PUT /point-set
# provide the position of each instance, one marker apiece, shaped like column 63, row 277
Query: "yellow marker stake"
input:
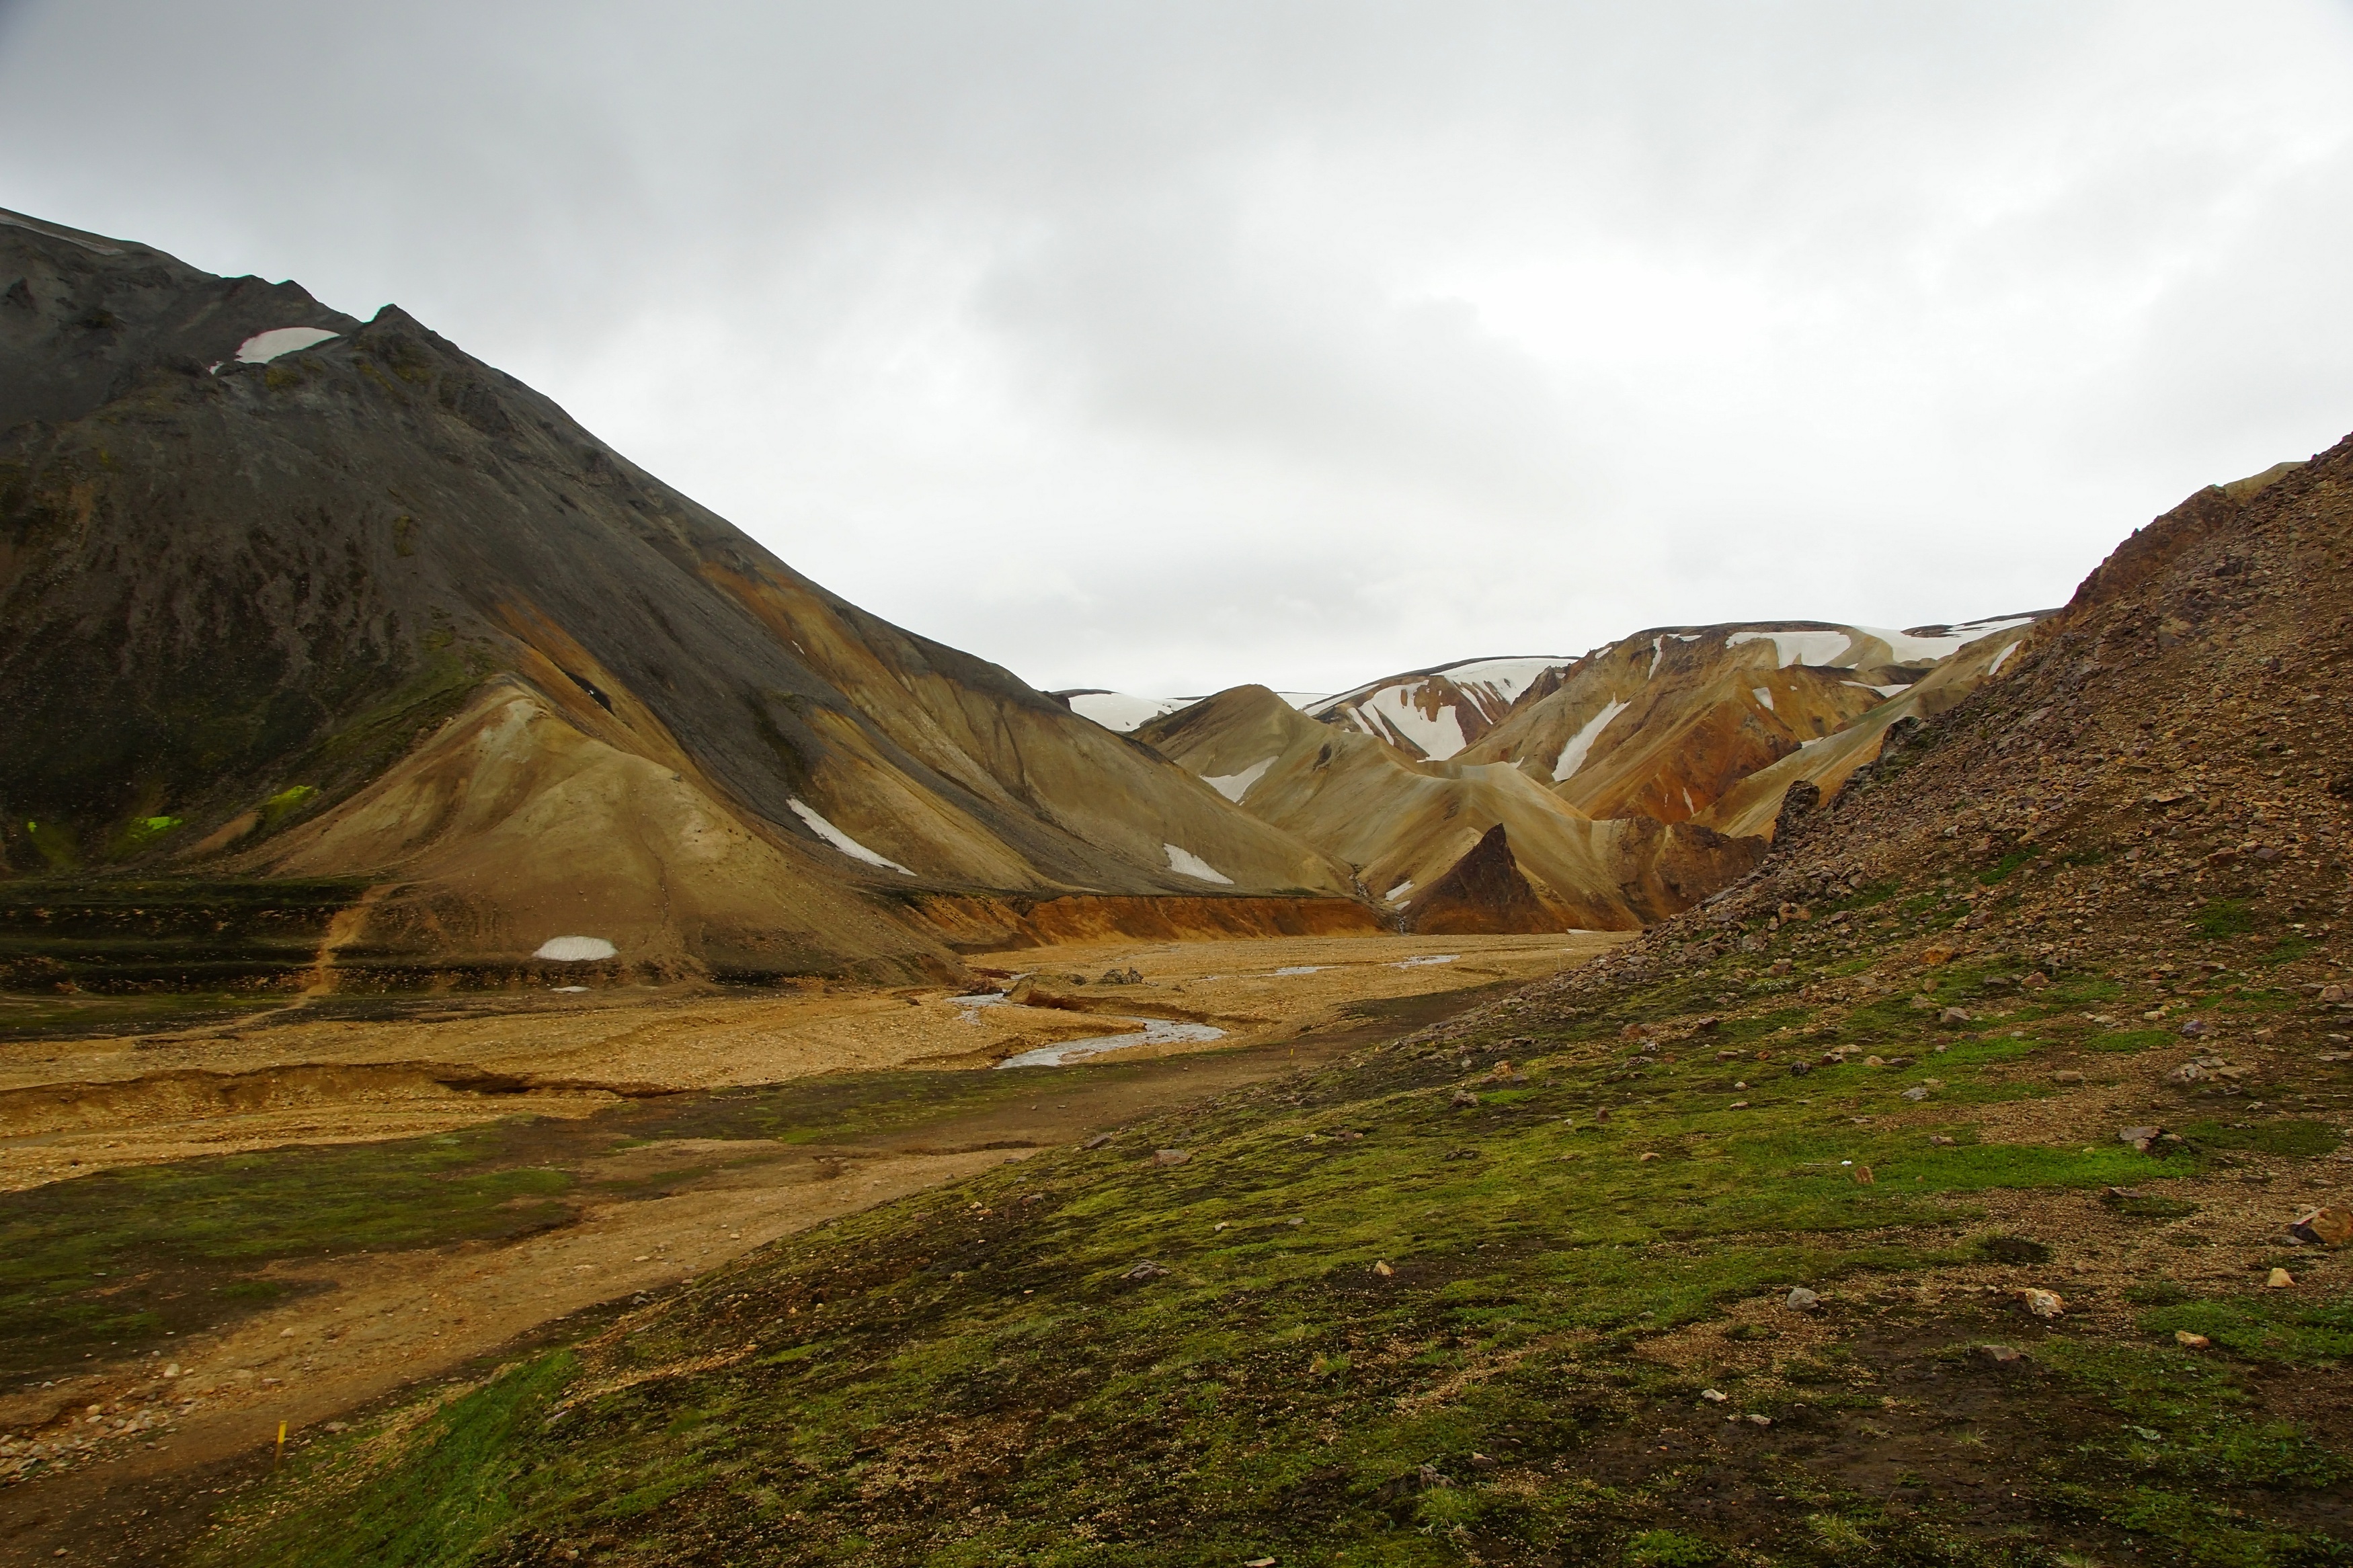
column 281, row 1444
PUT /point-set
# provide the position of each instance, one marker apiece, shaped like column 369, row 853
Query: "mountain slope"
column 251, row 614
column 1435, row 713
column 1937, row 1196
column 1403, row 826
column 1665, row 722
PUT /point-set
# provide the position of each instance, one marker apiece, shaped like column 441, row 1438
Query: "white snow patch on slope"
column 843, row 841
column 1882, row 690
column 2003, row 658
column 1185, row 863
column 1398, row 893
column 1439, row 738
column 1233, row 787
column 1766, row 697
column 1911, row 649
column 1505, row 678
column 1123, row 712
column 1798, row 647
column 1573, row 756
column 263, row 347
column 575, row 950
column 1658, row 652
column 1420, row 963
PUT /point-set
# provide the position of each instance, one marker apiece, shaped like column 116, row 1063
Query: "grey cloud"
column 1170, row 346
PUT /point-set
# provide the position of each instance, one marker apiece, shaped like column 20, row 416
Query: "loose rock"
column 2045, row 1303
column 1171, row 1156
column 1801, row 1300
column 2189, row 1340
column 2324, row 1226
column 2278, row 1279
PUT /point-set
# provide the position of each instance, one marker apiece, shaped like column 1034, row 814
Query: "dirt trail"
column 363, row 1327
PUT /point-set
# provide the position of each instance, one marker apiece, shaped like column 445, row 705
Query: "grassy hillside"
column 1367, row 1321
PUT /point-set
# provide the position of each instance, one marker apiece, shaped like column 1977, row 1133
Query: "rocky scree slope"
column 368, row 608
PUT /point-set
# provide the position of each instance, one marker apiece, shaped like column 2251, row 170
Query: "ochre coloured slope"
column 1662, row 724
column 1401, row 824
column 234, row 596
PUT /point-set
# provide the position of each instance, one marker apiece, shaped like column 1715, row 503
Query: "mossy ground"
column 1364, row 1323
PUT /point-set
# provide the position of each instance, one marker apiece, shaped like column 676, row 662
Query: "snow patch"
column 1572, row 756
column 1763, row 696
column 1117, row 711
column 843, row 841
column 1233, row 787
column 575, row 950
column 2002, row 658
column 1302, row 969
column 263, row 347
column 1658, row 652
column 1799, row 647
column 1156, row 1032
column 1185, row 863
column 1433, row 958
column 1882, row 690
column 1911, row 649
column 1398, row 893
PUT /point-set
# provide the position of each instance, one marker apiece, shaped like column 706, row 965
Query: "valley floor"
column 281, row 1214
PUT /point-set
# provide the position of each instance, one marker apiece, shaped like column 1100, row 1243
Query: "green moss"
column 2290, row 1136
column 2221, row 917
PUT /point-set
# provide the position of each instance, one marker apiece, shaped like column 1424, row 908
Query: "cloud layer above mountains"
column 1169, row 347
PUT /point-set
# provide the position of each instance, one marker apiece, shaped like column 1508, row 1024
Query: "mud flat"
column 331, row 1208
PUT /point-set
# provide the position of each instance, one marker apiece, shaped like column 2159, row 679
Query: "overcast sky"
column 1166, row 347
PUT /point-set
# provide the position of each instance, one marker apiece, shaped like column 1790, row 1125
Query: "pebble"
column 1383, row 1268
column 2278, row 1279
column 1917, row 1092
column 1801, row 1300
column 1714, row 1395
column 1171, row 1156
column 2067, row 1075
column 2045, row 1303
column 2189, row 1340
column 2002, row 1355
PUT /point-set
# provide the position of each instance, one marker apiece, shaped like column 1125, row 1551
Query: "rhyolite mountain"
column 344, row 602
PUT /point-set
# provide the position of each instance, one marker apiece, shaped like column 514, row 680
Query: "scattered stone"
column 1939, row 1139
column 1257, row 1563
column 2044, row 1304
column 2067, row 1075
column 1737, row 1105
column 2193, row 1027
column 1898, row 1062
column 2141, row 1138
column 2332, row 994
column 1917, row 1092
column 1146, row 1269
column 1863, row 1177
column 2324, row 1226
column 1645, row 1157
column 1873, row 1062
column 1759, row 1420
column 1602, row 1116
column 1952, row 1017
column 2035, row 981
column 1801, row 1300
column 1463, row 1098
column 2189, row 1340
column 2278, row 1279
column 2002, row 1355
column 1383, row 1268
column 1714, row 1395
column 1799, row 1069
column 1097, row 1141
column 1171, row 1156
column 2188, row 1072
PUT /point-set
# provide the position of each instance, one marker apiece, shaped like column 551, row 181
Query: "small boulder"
column 1383, row 1269
column 2193, row 1027
column 1917, row 1092
column 1714, row 1395
column 1801, row 1300
column 2278, row 1279
column 2332, row 994
column 1863, row 1177
column 1097, row 1141
column 2035, row 981
column 1952, row 1017
column 2067, row 1075
column 2002, row 1355
column 1171, row 1156
column 1463, row 1099
column 1146, row 1269
column 2141, row 1138
column 2189, row 1340
column 2044, row 1304
column 2326, row 1227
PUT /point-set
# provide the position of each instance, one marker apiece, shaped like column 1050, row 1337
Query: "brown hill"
column 2157, row 790
column 1403, row 824
column 1664, row 724
column 348, row 601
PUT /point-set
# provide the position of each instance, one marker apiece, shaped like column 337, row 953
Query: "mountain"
column 1405, row 826
column 1999, row 1107
column 1122, row 712
column 288, row 594
column 1664, row 724
column 1437, row 713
